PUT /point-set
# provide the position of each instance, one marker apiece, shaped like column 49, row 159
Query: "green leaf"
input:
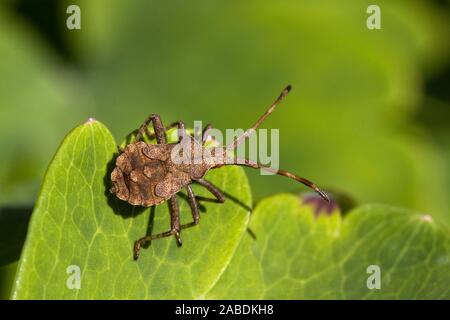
column 75, row 222
column 293, row 255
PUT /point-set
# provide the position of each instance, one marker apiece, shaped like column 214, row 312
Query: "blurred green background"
column 368, row 115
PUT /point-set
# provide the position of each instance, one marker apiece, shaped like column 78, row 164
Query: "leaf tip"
column 90, row 121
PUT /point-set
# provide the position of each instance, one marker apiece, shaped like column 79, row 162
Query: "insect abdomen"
column 136, row 176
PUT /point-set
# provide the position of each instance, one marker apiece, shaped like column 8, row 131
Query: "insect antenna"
column 254, row 165
column 237, row 141
column 248, row 163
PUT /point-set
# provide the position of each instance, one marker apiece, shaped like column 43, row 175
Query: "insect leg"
column 193, row 204
column 181, row 130
column 174, row 228
column 175, row 218
column 205, row 133
column 179, row 124
column 212, row 188
column 158, row 127
column 139, row 243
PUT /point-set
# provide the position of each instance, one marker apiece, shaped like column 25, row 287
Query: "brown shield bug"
column 147, row 174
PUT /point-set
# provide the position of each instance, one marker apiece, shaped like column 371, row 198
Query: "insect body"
column 149, row 174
